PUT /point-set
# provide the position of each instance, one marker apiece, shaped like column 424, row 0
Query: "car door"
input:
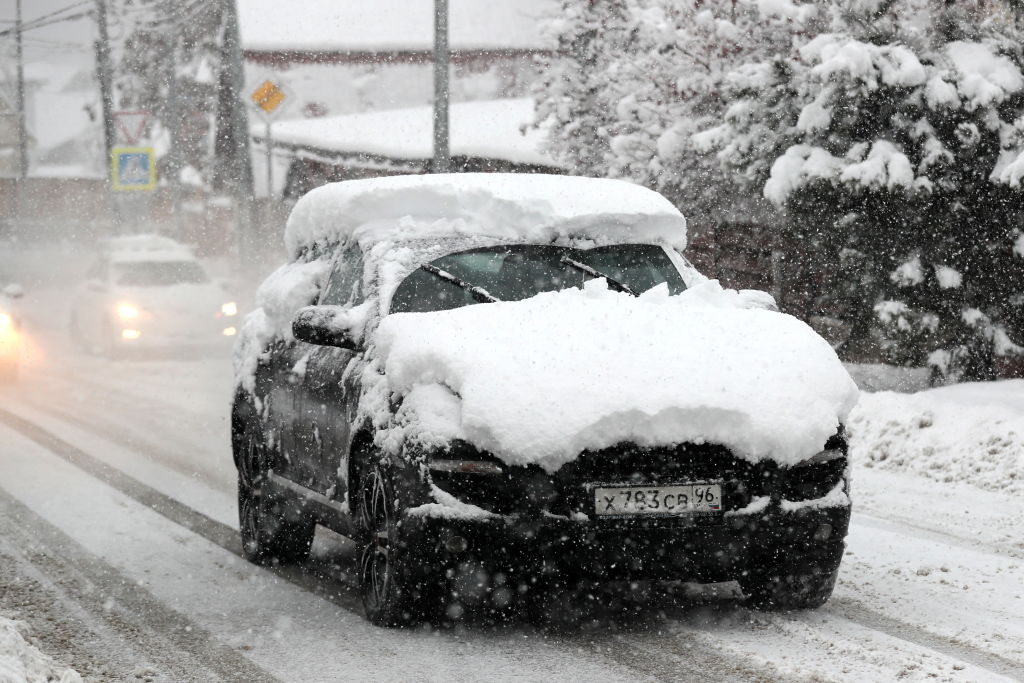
column 330, row 388
column 279, row 388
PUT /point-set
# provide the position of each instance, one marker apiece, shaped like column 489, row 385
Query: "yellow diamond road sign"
column 268, row 96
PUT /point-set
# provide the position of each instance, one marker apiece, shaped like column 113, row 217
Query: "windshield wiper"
column 593, row 272
column 478, row 293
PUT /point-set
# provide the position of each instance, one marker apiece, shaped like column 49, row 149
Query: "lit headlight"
column 127, row 311
column 229, row 308
column 6, row 321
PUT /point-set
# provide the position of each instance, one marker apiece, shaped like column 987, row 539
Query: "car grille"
column 568, row 491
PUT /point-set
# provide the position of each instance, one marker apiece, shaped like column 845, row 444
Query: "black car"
column 308, row 452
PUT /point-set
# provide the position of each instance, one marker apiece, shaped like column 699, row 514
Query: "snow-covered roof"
column 524, row 207
column 146, row 247
column 492, row 129
column 390, row 25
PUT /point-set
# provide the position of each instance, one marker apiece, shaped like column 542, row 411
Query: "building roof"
column 389, row 26
column 491, row 129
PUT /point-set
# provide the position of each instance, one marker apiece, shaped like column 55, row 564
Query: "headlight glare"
column 229, row 308
column 127, row 311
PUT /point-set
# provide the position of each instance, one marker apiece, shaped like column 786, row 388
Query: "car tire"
column 268, row 535
column 387, row 565
column 788, row 592
column 8, row 372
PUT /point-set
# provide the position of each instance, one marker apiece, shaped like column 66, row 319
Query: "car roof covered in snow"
column 146, row 247
column 528, row 208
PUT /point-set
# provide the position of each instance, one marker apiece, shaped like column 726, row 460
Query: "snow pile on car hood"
column 533, row 208
column 541, row 380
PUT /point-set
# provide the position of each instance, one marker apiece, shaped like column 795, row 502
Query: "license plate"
column 680, row 499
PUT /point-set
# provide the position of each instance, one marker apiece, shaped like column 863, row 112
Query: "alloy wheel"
column 376, row 566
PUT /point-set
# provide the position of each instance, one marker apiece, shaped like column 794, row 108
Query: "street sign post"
column 270, row 98
column 132, row 168
column 131, row 125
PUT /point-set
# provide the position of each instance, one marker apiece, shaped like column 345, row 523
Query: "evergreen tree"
column 891, row 142
column 168, row 67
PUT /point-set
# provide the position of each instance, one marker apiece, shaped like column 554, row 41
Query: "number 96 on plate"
column 683, row 499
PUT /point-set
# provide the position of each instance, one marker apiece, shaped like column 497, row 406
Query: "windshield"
column 511, row 273
column 159, row 273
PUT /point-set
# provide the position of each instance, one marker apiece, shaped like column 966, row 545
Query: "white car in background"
column 10, row 332
column 148, row 291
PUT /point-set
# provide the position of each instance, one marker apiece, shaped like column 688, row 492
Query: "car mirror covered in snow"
column 326, row 326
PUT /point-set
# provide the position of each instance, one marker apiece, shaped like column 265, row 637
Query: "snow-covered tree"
column 892, row 142
column 168, row 67
column 639, row 77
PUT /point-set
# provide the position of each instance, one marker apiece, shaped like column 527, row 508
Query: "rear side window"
column 345, row 285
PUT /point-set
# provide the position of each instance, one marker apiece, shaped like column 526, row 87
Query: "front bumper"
column 723, row 548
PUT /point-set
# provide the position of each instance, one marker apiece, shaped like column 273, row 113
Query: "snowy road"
column 118, row 547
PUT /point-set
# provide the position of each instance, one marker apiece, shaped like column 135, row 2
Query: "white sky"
column 66, row 41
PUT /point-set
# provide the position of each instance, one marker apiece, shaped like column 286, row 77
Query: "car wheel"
column 390, row 593
column 268, row 536
column 8, row 371
column 790, row 591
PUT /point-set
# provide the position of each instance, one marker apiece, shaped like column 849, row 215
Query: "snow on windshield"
column 542, row 380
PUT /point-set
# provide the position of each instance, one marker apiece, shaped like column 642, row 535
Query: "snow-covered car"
column 10, row 333
column 524, row 373
column 149, row 291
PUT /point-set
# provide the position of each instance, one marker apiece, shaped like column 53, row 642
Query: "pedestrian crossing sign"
column 133, row 168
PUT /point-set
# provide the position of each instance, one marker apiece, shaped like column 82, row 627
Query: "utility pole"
column 442, row 152
column 104, row 77
column 231, row 145
column 22, row 133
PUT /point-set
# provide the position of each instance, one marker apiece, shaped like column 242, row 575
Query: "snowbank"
column 541, row 380
column 532, row 208
column 967, row 433
column 20, row 662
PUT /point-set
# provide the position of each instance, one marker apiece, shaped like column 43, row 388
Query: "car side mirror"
column 13, row 291
column 325, row 326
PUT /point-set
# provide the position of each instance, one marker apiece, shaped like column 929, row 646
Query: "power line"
column 45, row 20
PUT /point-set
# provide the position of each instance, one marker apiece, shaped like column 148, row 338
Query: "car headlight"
column 6, row 321
column 229, row 308
column 827, row 455
column 462, row 458
column 127, row 311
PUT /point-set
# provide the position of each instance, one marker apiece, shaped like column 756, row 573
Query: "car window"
column 159, row 273
column 345, row 285
column 511, row 273
column 98, row 271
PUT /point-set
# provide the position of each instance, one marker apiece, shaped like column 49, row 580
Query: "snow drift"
column 541, row 380
column 969, row 433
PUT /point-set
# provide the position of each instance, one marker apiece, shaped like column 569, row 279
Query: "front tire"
column 390, row 594
column 269, row 536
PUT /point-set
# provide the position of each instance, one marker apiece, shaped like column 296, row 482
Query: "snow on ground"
column 21, row 662
column 963, row 434
column 655, row 370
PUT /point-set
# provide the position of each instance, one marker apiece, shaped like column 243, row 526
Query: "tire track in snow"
column 99, row 613
column 868, row 618
column 325, row 582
